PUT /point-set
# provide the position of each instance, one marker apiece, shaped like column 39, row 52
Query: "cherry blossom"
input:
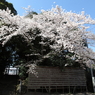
column 68, row 30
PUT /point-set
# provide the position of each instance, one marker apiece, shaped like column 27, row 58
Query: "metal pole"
column 93, row 79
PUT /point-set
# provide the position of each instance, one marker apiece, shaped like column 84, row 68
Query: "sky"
column 69, row 5
column 75, row 5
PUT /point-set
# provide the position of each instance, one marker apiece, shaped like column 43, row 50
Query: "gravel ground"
column 38, row 93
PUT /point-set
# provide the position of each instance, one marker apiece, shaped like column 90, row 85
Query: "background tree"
column 4, row 5
column 30, row 14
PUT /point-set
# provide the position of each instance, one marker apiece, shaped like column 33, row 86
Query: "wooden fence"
column 54, row 78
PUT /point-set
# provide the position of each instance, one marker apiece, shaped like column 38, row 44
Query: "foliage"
column 4, row 5
column 51, row 32
column 30, row 14
column 6, row 54
column 22, row 73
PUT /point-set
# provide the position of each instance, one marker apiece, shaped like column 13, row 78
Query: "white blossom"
column 66, row 29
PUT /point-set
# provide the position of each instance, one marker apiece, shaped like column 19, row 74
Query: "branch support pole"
column 93, row 78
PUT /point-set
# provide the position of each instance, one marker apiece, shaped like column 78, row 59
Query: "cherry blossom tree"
column 67, row 31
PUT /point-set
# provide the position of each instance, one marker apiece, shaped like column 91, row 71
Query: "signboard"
column 11, row 71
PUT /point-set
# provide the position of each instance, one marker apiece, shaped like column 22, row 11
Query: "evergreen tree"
column 4, row 5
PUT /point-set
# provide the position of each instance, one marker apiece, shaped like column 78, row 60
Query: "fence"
column 53, row 78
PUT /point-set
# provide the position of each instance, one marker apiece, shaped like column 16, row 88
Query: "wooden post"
column 20, row 87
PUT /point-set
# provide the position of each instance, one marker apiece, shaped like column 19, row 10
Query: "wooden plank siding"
column 54, row 77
